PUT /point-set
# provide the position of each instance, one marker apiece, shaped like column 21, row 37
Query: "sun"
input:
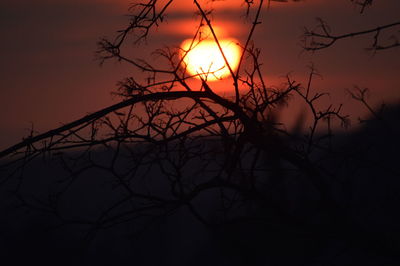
column 205, row 60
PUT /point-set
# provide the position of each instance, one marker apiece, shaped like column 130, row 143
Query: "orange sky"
column 49, row 76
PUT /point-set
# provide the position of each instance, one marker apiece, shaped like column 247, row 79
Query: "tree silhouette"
column 168, row 143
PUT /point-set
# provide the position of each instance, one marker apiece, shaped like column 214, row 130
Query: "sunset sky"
column 49, row 76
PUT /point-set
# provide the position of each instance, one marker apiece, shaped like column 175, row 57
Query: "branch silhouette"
column 173, row 138
column 321, row 37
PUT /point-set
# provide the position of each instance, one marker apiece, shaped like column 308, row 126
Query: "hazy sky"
column 48, row 74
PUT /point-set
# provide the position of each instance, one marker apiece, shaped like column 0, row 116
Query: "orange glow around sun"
column 206, row 59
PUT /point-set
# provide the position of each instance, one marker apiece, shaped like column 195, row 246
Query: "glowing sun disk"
column 205, row 58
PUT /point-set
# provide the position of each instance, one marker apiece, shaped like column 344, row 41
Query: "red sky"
column 48, row 74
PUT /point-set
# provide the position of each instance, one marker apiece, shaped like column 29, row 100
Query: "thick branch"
column 99, row 114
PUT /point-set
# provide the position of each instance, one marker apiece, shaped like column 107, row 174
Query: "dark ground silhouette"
column 366, row 233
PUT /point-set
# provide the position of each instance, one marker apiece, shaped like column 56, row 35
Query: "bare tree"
column 196, row 141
